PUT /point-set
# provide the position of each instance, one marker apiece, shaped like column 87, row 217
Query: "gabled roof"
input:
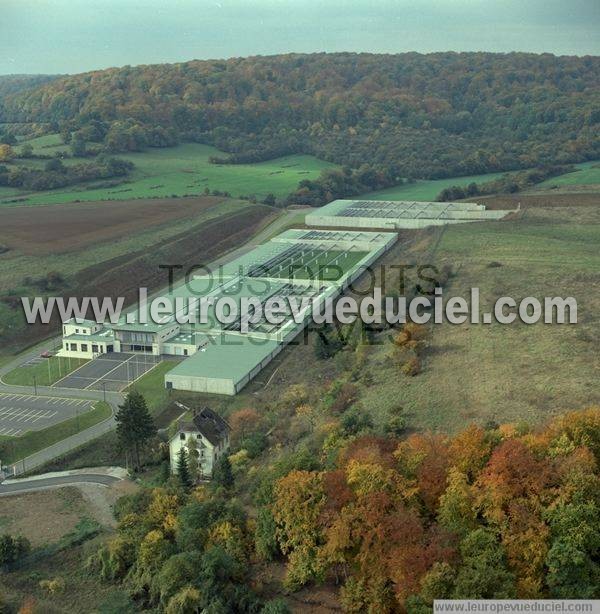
column 211, row 425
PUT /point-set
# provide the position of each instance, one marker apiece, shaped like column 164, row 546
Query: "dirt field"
column 45, row 516
column 123, row 275
column 70, row 227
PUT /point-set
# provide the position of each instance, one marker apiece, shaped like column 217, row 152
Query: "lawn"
column 13, row 449
column 43, row 373
column 152, row 386
column 184, row 169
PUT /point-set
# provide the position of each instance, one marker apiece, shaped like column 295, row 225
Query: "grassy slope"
column 587, row 174
column 505, row 373
column 152, row 386
column 428, row 190
column 184, row 169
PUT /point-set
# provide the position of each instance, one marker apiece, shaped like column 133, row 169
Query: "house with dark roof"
column 207, row 433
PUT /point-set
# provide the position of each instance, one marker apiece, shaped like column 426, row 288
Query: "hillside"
column 407, row 115
column 13, row 84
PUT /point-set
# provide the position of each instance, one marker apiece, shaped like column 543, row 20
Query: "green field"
column 43, row 373
column 13, row 449
column 587, row 174
column 428, row 190
column 175, row 171
column 152, row 386
column 425, row 189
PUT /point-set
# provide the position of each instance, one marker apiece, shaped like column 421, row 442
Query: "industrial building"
column 316, row 264
column 395, row 215
column 222, row 358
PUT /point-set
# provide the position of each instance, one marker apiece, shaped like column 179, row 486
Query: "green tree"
column 276, row 606
column 222, row 472
column 78, row 147
column 135, row 426
column 183, row 470
column 26, row 150
column 186, row 601
column 484, row 573
column 12, row 549
column 193, row 456
column 265, row 541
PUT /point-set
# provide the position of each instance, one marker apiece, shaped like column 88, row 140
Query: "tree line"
column 508, row 184
column 406, row 115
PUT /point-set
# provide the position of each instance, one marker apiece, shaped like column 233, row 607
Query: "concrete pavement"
column 97, row 475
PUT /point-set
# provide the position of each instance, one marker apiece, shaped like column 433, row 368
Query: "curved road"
column 15, row 486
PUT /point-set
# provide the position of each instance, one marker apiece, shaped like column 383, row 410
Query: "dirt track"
column 63, row 228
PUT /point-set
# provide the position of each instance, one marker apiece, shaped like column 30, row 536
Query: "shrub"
column 52, row 587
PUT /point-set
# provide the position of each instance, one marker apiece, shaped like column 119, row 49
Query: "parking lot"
column 20, row 413
column 112, row 372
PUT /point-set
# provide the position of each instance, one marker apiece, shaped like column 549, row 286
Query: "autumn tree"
column 298, row 502
column 6, row 153
column 243, row 422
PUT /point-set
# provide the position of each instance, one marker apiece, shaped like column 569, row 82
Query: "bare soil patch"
column 69, row 227
column 44, row 516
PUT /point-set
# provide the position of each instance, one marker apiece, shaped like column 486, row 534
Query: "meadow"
column 587, row 173
column 176, row 171
column 425, row 189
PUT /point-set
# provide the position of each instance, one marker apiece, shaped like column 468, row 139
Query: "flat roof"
column 227, row 356
column 104, row 335
column 394, row 209
column 81, row 322
column 148, row 327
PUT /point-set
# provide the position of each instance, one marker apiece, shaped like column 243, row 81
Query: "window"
column 73, row 347
column 77, row 331
column 84, row 347
column 182, row 436
column 94, row 348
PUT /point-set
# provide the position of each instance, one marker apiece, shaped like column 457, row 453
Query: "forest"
column 505, row 511
column 405, row 116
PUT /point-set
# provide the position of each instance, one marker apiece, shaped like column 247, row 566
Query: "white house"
column 208, row 433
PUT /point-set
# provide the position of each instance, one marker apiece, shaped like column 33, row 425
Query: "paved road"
column 15, row 486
